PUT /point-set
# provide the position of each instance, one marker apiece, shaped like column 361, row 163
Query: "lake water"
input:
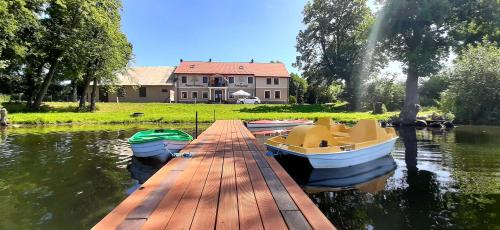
column 435, row 179
column 53, row 178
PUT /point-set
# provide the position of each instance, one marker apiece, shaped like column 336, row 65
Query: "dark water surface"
column 67, row 177
column 435, row 179
column 70, row 177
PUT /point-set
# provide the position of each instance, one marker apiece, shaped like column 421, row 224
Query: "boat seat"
column 340, row 134
column 367, row 130
column 338, row 130
column 309, row 136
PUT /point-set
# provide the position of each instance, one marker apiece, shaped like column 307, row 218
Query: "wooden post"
column 196, row 128
column 3, row 117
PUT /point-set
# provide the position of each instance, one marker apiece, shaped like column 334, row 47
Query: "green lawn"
column 58, row 112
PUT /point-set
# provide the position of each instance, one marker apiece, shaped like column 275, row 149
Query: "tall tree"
column 298, row 87
column 414, row 32
column 332, row 43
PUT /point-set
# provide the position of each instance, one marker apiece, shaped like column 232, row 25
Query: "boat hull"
column 343, row 159
column 162, row 147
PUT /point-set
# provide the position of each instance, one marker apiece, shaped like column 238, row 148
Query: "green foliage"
column 324, row 94
column 414, row 33
column 474, row 94
column 430, row 91
column 386, row 90
column 42, row 42
column 473, row 21
column 298, row 88
column 4, row 98
column 292, row 100
column 331, row 45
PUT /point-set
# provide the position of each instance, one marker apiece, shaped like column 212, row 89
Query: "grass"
column 119, row 113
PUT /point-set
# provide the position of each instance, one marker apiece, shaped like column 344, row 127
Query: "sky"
column 164, row 31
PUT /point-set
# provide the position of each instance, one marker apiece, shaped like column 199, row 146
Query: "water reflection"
column 369, row 177
column 445, row 179
column 55, row 177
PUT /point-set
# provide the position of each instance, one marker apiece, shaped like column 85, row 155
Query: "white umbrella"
column 240, row 93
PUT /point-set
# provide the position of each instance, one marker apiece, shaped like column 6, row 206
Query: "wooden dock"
column 229, row 183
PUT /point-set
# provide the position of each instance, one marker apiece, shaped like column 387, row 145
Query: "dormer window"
column 191, row 66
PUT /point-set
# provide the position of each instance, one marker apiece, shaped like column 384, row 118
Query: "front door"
column 103, row 95
column 218, row 95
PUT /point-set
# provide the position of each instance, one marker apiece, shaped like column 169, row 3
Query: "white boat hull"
column 274, row 125
column 346, row 158
column 162, row 147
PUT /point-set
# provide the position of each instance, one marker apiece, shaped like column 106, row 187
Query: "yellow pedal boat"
column 329, row 145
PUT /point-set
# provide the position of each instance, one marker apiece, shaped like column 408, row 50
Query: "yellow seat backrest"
column 367, row 130
column 331, row 125
column 309, row 136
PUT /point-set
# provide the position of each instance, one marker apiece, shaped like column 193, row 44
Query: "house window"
column 277, row 94
column 205, row 80
column 120, row 92
column 268, row 81
column 267, row 94
column 231, row 96
column 194, row 95
column 164, row 90
column 250, row 80
column 142, row 92
column 204, row 95
column 184, row 80
column 184, row 95
column 231, row 80
column 276, row 81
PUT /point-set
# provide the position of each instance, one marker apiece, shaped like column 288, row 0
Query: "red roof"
column 237, row 68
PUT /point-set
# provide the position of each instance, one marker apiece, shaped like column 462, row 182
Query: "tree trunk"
column 408, row 115
column 31, row 83
column 86, row 83
column 351, row 94
column 93, row 96
column 74, row 90
column 54, row 64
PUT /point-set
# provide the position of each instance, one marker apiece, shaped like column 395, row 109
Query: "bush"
column 474, row 94
column 386, row 90
column 293, row 100
column 430, row 91
column 4, row 98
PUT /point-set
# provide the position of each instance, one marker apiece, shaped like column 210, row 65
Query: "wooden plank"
column 187, row 205
column 261, row 162
column 314, row 216
column 131, row 224
column 295, row 220
column 120, row 212
column 281, row 196
column 149, row 204
column 227, row 213
column 162, row 214
column 269, row 212
column 206, row 211
column 247, row 205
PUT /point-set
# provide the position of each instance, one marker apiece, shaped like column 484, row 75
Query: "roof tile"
column 237, row 68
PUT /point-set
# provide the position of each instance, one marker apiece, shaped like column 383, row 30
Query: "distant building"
column 216, row 81
column 202, row 82
column 143, row 84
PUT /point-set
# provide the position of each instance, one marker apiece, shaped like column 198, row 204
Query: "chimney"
column 210, row 60
column 251, row 61
column 182, row 60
